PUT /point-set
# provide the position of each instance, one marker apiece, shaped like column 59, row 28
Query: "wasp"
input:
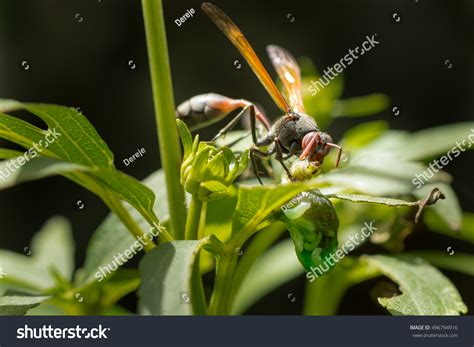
column 294, row 133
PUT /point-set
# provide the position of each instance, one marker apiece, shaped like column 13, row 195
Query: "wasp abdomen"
column 205, row 109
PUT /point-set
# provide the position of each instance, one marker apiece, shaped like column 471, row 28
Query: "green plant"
column 233, row 225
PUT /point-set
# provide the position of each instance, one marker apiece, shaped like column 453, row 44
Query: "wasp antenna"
column 339, row 152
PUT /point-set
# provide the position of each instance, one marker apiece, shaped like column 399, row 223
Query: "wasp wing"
column 234, row 34
column 289, row 73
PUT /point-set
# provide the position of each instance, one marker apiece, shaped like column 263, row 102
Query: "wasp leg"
column 279, row 157
column 253, row 152
column 293, row 150
column 233, row 122
column 254, row 114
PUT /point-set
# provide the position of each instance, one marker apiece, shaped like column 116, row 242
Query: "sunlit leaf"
column 167, row 280
column 424, row 289
column 257, row 203
column 436, row 141
column 77, row 142
column 51, row 256
column 15, row 305
column 53, row 247
column 362, row 134
column 9, row 153
column 459, row 262
column 35, row 169
column 112, row 237
column 358, row 198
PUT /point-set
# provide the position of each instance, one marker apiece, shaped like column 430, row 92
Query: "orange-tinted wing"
column 234, row 34
column 289, row 73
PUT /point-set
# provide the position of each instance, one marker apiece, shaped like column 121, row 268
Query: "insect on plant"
column 295, row 133
column 220, row 247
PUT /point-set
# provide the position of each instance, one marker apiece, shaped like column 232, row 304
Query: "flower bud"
column 207, row 171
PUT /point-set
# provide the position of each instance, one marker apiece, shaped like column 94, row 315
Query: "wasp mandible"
column 295, row 133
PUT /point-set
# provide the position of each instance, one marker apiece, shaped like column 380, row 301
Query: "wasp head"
column 316, row 145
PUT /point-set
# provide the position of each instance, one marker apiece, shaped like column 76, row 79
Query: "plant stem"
column 324, row 294
column 202, row 222
column 194, row 217
column 170, row 151
column 259, row 244
column 221, row 295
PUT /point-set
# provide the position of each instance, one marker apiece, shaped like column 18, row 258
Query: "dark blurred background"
column 91, row 54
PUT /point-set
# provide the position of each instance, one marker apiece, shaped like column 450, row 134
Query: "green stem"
column 324, row 294
column 221, row 295
column 259, row 244
column 194, row 217
column 170, row 151
column 202, row 222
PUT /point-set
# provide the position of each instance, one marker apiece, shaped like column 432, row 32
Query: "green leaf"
column 167, row 280
column 35, row 169
column 112, row 237
column 9, row 105
column 367, row 181
column 448, row 209
column 53, row 247
column 78, row 141
column 47, row 308
column 273, row 269
column 186, row 137
column 130, row 190
column 363, row 134
column 108, row 184
column 24, row 274
column 51, row 255
column 460, row 262
column 377, row 170
column 19, row 305
column 255, row 204
column 437, row 223
column 361, row 106
column 425, row 290
column 123, row 282
column 358, row 198
column 431, row 142
column 9, row 153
